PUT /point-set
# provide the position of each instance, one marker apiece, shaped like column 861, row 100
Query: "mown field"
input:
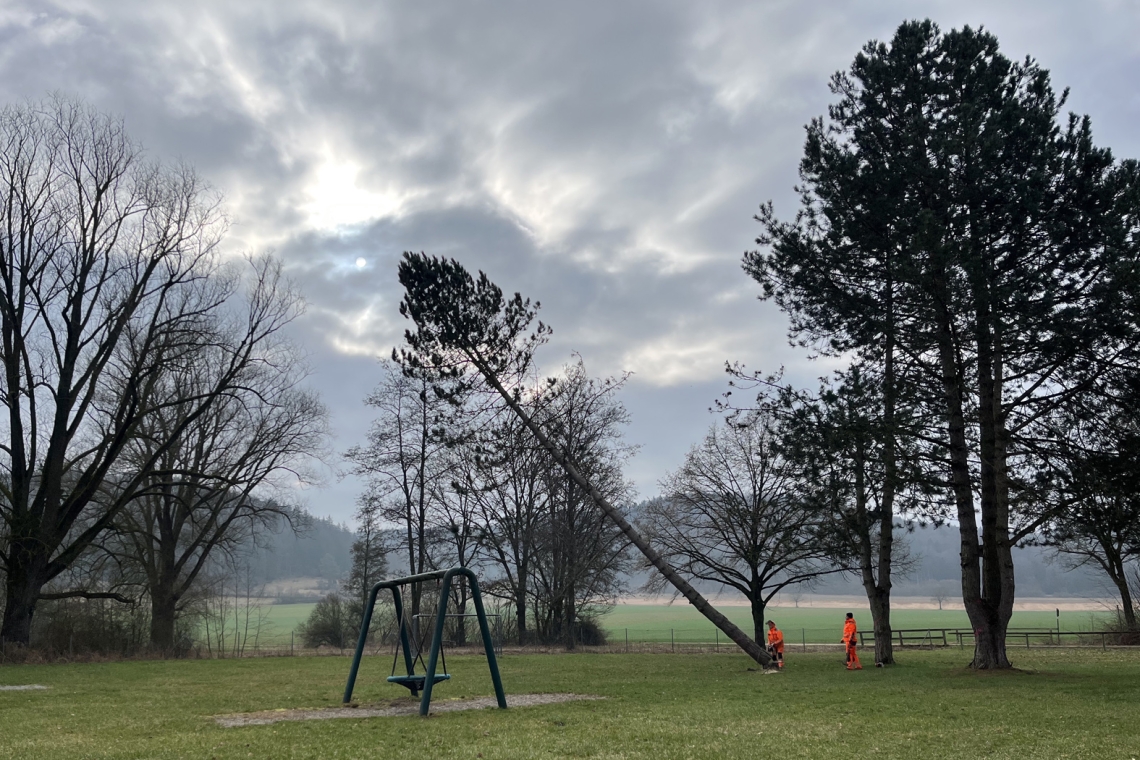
column 1071, row 704
column 682, row 623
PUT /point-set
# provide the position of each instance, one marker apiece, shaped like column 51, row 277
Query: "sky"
column 603, row 158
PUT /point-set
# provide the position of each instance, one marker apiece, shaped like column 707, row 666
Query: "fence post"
column 1103, row 646
column 1027, row 640
column 672, row 641
column 717, row 632
column 803, row 637
column 627, row 641
column 290, row 643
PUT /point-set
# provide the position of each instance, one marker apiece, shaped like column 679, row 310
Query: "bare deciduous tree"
column 403, row 456
column 735, row 514
column 582, row 555
column 103, row 263
column 230, row 470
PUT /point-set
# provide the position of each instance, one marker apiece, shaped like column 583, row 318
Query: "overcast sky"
column 604, row 158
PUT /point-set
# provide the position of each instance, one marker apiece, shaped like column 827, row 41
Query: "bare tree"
column 504, row 471
column 404, row 454
column 222, row 478
column 582, row 556
column 106, row 265
column 735, row 514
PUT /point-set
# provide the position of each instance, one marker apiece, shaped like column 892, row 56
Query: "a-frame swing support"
column 446, row 577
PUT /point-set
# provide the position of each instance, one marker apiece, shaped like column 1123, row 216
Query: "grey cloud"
column 603, row 158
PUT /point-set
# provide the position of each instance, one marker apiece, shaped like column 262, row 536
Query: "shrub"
column 328, row 624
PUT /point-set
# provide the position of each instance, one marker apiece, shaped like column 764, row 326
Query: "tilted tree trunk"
column 754, row 650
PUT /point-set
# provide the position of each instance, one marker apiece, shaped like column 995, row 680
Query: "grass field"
column 653, row 622
column 658, row 622
column 1072, row 704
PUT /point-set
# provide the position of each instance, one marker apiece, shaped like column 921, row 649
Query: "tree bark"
column 23, row 584
column 759, row 630
column 989, row 629
column 163, row 613
column 880, row 601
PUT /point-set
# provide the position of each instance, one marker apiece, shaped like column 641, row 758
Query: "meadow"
column 1059, row 703
column 679, row 622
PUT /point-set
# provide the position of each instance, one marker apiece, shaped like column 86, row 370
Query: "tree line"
column 971, row 257
column 466, row 486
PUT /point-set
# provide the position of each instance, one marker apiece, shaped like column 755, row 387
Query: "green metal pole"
column 409, row 660
column 488, row 645
column 436, row 641
column 360, row 643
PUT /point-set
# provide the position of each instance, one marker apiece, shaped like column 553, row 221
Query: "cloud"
column 604, row 158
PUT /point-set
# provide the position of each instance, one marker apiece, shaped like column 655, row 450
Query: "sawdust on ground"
column 395, row 707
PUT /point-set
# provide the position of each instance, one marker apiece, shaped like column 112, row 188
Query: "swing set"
column 424, row 682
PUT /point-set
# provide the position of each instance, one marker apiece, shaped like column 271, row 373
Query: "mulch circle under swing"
column 394, row 708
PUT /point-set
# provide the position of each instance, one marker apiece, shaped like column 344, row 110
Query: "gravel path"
column 396, row 707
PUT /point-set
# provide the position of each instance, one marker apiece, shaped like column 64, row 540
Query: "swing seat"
column 416, row 682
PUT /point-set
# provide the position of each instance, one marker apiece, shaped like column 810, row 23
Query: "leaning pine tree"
column 467, row 335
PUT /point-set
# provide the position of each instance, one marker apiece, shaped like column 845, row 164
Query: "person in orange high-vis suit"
column 850, row 639
column 776, row 644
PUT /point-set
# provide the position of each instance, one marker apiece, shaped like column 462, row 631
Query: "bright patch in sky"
column 361, row 263
column 336, row 199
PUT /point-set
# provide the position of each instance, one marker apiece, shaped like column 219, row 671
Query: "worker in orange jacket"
column 850, row 639
column 776, row 644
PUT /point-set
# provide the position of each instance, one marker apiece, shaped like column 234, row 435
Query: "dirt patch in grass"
column 23, row 687
column 394, row 708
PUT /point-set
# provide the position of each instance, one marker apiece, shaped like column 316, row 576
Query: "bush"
column 588, row 633
column 1122, row 634
column 67, row 627
column 329, row 624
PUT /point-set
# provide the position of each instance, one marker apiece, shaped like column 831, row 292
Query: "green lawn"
column 1063, row 703
column 656, row 622
column 653, row 622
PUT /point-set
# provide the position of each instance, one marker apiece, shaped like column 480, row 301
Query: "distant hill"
column 322, row 550
column 937, row 568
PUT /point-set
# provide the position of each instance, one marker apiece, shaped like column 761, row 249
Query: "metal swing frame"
column 412, row 679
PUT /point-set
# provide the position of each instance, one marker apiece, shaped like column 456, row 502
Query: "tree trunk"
column 880, row 601
column 26, row 578
column 879, row 595
column 989, row 644
column 1127, row 607
column 163, row 611
column 997, row 557
column 989, row 630
column 759, row 630
column 520, row 607
column 1120, row 579
column 754, row 650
